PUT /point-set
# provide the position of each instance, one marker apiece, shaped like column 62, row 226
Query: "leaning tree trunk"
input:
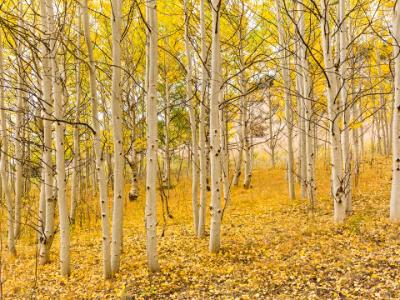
column 102, row 178
column 192, row 103
column 215, row 149
column 152, row 143
column 395, row 195
column 4, row 160
column 202, row 125
column 288, row 102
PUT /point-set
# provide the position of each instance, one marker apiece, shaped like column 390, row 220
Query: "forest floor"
column 271, row 248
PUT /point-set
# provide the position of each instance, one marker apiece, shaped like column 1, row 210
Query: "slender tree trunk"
column 224, row 152
column 395, row 194
column 134, row 191
column 60, row 160
column 47, row 133
column 116, row 244
column 288, row 102
column 215, row 149
column 191, row 101
column 152, row 144
column 301, row 98
column 167, row 154
column 19, row 144
column 338, row 190
column 308, row 110
column 102, row 179
column 4, row 159
column 343, row 70
column 76, row 146
column 202, row 127
column 271, row 127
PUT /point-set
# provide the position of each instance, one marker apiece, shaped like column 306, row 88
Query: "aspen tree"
column 116, row 244
column 152, row 142
column 19, row 144
column 245, row 116
column 60, row 160
column 215, row 149
column 76, row 146
column 191, row 101
column 338, row 190
column 202, row 125
column 100, row 166
column 395, row 194
column 167, row 116
column 288, row 102
column 4, row 160
column 47, row 114
column 308, row 109
column 343, row 70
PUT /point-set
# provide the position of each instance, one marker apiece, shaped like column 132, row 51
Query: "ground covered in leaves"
column 271, row 248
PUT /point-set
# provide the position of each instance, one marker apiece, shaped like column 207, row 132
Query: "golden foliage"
column 271, row 247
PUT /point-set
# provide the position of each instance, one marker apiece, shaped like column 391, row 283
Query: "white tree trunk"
column 102, row 178
column 4, row 160
column 60, row 160
column 301, row 98
column 76, row 146
column 288, row 102
column 215, row 151
column 343, row 33
column 224, row 136
column 395, row 194
column 19, row 144
column 116, row 245
column 202, row 126
column 191, row 101
column 338, row 191
column 47, row 114
column 167, row 159
column 152, row 142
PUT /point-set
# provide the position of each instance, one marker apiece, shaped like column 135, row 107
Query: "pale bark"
column 102, row 179
column 383, row 104
column 76, row 146
column 192, row 103
column 272, row 141
column 152, row 143
column 343, row 70
column 202, row 125
column 245, row 125
column 338, row 191
column 224, row 136
column 288, row 102
column 215, row 149
column 167, row 155
column 19, row 144
column 116, row 244
column 4, row 160
column 301, row 98
column 134, row 190
column 47, row 112
column 308, row 111
column 60, row 160
column 395, row 193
